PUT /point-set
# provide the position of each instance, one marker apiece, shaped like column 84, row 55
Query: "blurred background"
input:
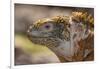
column 25, row 14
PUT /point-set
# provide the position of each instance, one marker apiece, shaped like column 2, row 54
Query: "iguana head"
column 54, row 29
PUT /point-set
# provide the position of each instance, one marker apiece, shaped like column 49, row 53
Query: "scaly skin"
column 67, row 36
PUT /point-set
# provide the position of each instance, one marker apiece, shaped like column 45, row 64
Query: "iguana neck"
column 64, row 50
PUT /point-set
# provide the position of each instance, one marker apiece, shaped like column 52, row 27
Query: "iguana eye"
column 47, row 27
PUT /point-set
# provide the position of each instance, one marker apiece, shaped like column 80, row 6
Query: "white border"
column 12, row 35
column 72, row 3
column 40, row 2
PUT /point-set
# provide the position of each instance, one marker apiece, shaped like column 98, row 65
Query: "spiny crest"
column 78, row 16
column 83, row 17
